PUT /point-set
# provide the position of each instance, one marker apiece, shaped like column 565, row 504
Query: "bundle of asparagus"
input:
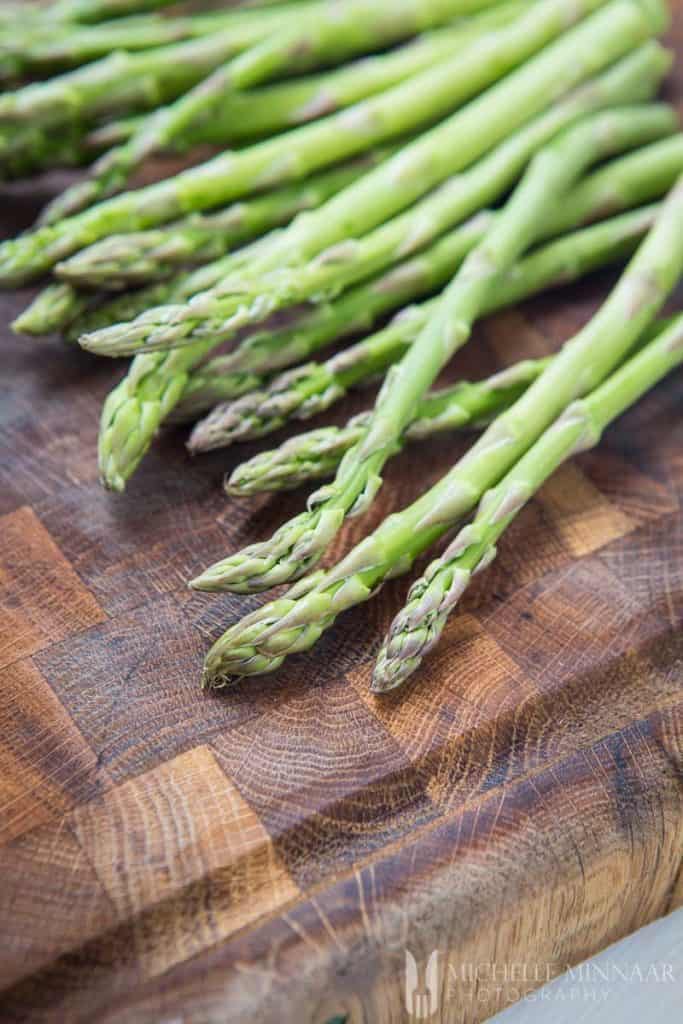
column 393, row 149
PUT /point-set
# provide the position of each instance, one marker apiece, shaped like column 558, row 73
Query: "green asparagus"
column 262, row 640
column 53, row 306
column 417, row 628
column 639, row 177
column 301, row 542
column 234, row 304
column 143, row 256
column 255, row 114
column 210, row 237
column 41, row 46
column 156, row 382
column 324, row 37
column 119, row 455
column 125, row 81
column 646, row 174
column 598, row 41
column 317, row 453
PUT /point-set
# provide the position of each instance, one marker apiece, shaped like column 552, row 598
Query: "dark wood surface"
column 269, row 854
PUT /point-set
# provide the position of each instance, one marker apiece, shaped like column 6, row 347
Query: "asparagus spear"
column 138, row 257
column 301, row 542
column 315, row 387
column 155, row 382
column 208, row 237
column 417, row 628
column 74, row 11
column 178, row 288
column 55, row 305
column 638, row 177
column 327, row 36
column 317, row 453
column 274, row 108
column 98, row 10
column 128, row 256
column 599, row 40
column 357, row 309
column 646, row 175
column 41, row 46
column 119, row 456
column 262, row 640
column 125, row 81
column 235, row 304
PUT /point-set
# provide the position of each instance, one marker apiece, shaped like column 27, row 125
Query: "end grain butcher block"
column 269, row 854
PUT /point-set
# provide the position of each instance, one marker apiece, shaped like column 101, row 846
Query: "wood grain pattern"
column 269, row 854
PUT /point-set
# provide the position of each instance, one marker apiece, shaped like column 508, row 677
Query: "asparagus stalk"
column 182, row 286
column 155, row 383
column 119, row 456
column 301, row 542
column 637, row 178
column 633, row 179
column 138, row 257
column 89, row 11
column 646, row 175
column 355, row 311
column 235, row 304
column 417, row 628
column 41, row 46
column 317, row 453
column 262, row 640
column 314, row 388
column 126, row 81
column 352, row 312
column 195, row 238
column 74, row 11
column 597, row 41
column 327, row 36
column 270, row 109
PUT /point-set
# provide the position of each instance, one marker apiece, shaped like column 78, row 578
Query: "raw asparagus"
column 324, row 37
column 316, row 387
column 41, row 46
column 317, row 453
column 646, row 174
column 270, row 109
column 236, row 304
column 639, row 177
column 54, row 306
column 597, row 41
column 143, row 256
column 155, row 382
column 194, row 239
column 301, row 542
column 120, row 455
column 126, row 81
column 355, row 311
column 417, row 628
column 88, row 11
column 262, row 640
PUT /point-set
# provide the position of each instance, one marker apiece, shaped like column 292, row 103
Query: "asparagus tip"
column 390, row 673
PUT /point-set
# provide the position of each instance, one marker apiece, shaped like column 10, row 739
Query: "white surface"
column 637, row 980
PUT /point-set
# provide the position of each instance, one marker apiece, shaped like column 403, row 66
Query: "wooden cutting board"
column 269, row 855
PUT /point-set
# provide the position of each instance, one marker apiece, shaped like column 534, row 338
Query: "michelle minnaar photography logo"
column 434, row 982
column 422, row 986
